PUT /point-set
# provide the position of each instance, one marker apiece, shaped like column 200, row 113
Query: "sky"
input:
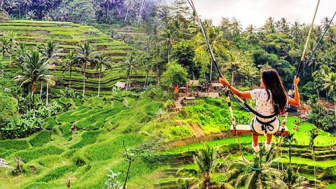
column 257, row 11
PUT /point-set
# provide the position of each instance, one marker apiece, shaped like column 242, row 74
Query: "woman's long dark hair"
column 274, row 85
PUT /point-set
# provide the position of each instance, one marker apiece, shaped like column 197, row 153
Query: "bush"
column 8, row 106
column 40, row 138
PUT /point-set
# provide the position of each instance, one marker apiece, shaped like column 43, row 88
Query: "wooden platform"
column 247, row 129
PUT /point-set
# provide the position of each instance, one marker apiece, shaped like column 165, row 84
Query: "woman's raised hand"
column 224, row 81
column 296, row 81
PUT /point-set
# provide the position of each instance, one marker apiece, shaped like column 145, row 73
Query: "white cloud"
column 257, row 11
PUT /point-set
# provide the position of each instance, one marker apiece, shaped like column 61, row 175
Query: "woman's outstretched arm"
column 236, row 91
column 296, row 100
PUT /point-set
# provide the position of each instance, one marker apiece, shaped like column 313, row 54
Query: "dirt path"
column 178, row 105
column 197, row 130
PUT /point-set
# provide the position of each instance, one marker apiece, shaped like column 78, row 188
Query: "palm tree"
column 108, row 2
column 313, row 134
column 49, row 51
column 262, row 176
column 236, row 27
column 293, row 179
column 85, row 58
column 234, row 64
column 102, row 62
column 12, row 40
column 27, row 3
column 217, row 44
column 147, row 63
column 6, row 45
column 20, row 55
column 168, row 39
column 295, row 31
column 283, row 25
column 129, row 5
column 250, row 29
column 130, row 65
column 35, row 69
column 269, row 26
column 330, row 84
column 325, row 22
column 71, row 61
column 249, row 72
column 289, row 140
column 206, row 160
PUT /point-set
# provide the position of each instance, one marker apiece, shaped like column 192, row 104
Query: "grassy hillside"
column 68, row 35
column 83, row 142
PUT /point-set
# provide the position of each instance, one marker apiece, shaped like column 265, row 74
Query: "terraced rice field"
column 68, row 35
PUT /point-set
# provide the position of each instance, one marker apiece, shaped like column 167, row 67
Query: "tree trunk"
column 126, row 15
column 146, row 80
column 129, row 167
column 314, row 166
column 290, row 154
column 211, row 63
column 108, row 8
column 128, row 82
column 99, row 83
column 232, row 77
column 33, row 106
column 41, row 91
column 70, row 78
column 47, row 99
column 140, row 11
column 84, row 80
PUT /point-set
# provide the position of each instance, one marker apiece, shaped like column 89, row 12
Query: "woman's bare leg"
column 269, row 138
column 255, row 139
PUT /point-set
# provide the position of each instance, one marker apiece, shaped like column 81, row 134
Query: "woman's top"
column 264, row 104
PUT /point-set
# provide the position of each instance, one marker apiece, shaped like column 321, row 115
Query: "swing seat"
column 247, row 129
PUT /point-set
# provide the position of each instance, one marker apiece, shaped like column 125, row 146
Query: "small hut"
column 121, row 85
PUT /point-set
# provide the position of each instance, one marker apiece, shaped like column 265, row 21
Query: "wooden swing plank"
column 247, row 129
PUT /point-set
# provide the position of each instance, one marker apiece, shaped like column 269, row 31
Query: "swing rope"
column 237, row 99
column 233, row 121
column 317, row 46
column 308, row 38
column 191, row 3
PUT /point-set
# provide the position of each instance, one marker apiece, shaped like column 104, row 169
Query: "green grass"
column 40, row 139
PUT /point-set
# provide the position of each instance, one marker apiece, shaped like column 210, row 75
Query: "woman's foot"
column 255, row 148
column 268, row 146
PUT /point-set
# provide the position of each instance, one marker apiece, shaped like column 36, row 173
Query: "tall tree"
column 71, row 62
column 49, row 51
column 35, row 69
column 6, row 45
column 101, row 62
column 130, row 64
column 85, row 57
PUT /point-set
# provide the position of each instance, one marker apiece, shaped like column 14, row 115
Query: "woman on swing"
column 271, row 99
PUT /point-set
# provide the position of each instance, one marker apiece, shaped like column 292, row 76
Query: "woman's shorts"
column 270, row 127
